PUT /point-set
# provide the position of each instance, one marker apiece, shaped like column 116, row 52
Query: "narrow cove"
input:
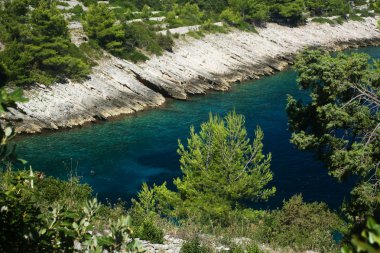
column 116, row 156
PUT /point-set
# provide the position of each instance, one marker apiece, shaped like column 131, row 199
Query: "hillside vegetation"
column 224, row 175
column 37, row 45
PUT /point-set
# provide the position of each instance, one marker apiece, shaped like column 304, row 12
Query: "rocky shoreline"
column 119, row 87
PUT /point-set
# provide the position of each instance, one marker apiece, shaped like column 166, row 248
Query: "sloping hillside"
column 118, row 87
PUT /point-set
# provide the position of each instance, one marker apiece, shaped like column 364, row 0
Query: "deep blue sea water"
column 142, row 147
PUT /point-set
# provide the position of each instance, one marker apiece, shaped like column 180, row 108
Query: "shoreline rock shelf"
column 119, row 87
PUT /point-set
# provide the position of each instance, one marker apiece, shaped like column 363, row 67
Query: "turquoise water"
column 142, row 147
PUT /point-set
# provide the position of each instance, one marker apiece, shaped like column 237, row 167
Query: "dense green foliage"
column 195, row 246
column 292, row 12
column 100, row 25
column 250, row 9
column 122, row 39
column 39, row 214
column 301, row 226
column 221, row 170
column 341, row 122
column 224, row 173
column 35, row 217
column 366, row 240
column 37, row 45
column 150, row 232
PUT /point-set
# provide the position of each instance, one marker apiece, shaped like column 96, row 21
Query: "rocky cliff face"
column 119, row 87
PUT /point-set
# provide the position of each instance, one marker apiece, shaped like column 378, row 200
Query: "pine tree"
column 101, row 26
column 222, row 171
column 38, row 47
column 340, row 122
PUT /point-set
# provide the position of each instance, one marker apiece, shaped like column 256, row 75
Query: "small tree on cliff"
column 100, row 25
column 222, row 170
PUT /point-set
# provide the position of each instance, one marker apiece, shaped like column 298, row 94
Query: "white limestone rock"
column 195, row 66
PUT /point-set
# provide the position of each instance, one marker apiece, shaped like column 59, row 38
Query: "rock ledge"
column 119, row 87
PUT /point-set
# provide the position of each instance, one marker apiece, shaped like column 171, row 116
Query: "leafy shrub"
column 231, row 17
column 166, row 42
column 356, row 17
column 77, row 12
column 339, row 20
column 150, row 232
column 196, row 34
column 210, row 27
column 88, row 3
column 4, row 74
column 38, row 47
column 100, row 26
column 31, row 223
column 301, row 226
column 322, row 20
column 135, row 56
column 72, row 193
column 18, row 221
column 144, row 216
column 184, row 15
column 194, row 246
column 139, row 35
column 368, row 240
column 92, row 51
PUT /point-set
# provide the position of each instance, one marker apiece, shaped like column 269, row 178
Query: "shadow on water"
column 115, row 157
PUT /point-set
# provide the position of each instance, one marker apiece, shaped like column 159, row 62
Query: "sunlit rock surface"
column 119, row 87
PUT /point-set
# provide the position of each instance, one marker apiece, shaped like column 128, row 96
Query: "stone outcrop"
column 195, row 66
column 171, row 245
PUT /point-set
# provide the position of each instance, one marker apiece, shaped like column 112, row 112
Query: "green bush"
column 166, row 42
column 237, row 173
column 139, row 35
column 4, row 74
column 38, row 47
column 77, row 12
column 150, row 232
column 231, row 17
column 356, row 17
column 49, row 215
column 88, row 3
column 196, row 34
column 301, row 226
column 366, row 240
column 100, row 26
column 92, row 51
column 185, row 15
column 72, row 193
column 322, row 20
column 62, row 3
column 194, row 246
column 145, row 216
column 210, row 27
column 339, row 20
column 136, row 56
